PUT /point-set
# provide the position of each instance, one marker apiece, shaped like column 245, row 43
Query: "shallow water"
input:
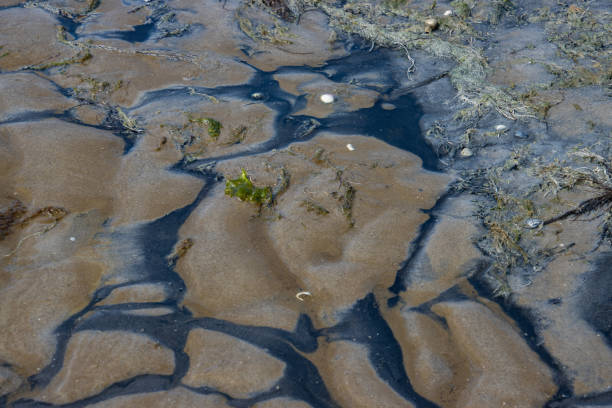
column 157, row 289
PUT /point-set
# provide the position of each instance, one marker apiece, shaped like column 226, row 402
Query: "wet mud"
column 129, row 276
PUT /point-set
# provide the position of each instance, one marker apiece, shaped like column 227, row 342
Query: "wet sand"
column 386, row 266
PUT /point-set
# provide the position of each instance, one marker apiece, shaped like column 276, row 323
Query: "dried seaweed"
column 52, row 214
column 280, row 8
column 282, row 184
column 601, row 202
column 11, row 216
column 313, row 207
column 179, row 251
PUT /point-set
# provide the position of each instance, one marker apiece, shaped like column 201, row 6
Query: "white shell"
column 465, row 152
column 327, row 98
column 300, row 295
column 72, row 239
column 350, row 147
column 533, row 223
column 448, row 13
column 500, row 128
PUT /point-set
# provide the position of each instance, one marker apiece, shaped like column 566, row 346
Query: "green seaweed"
column 243, row 188
column 212, row 126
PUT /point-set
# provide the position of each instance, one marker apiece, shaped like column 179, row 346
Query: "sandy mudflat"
column 421, row 241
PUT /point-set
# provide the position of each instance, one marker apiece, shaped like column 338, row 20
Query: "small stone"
column 350, row 147
column 466, row 152
column 520, row 135
column 72, row 239
column 532, row 223
column 327, row 98
column 387, row 106
column 430, row 25
column 448, row 13
column 257, row 95
column 501, row 128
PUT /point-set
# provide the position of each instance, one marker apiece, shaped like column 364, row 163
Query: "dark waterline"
column 398, row 127
column 139, row 33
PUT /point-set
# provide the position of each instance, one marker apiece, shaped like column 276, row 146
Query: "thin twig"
column 49, row 228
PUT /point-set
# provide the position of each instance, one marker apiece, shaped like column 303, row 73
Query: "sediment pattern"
column 130, row 278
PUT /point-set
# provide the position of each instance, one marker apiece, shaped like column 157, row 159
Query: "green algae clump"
column 243, row 188
column 212, row 126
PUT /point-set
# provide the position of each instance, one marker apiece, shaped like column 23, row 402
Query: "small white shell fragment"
column 350, row 147
column 327, row 98
column 72, row 239
column 466, row 152
column 501, row 128
column 448, row 13
column 533, row 223
column 300, row 295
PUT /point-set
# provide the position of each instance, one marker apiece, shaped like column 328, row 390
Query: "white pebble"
column 72, row 239
column 501, row 128
column 327, row 98
column 350, row 147
column 448, row 13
